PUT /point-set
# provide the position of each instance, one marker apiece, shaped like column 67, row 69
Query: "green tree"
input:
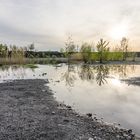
column 69, row 47
column 14, row 51
column 102, row 49
column 86, row 52
column 124, row 47
column 62, row 50
column 3, row 50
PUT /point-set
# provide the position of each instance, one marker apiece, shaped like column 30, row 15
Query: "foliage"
column 124, row 47
column 69, row 47
column 3, row 50
column 86, row 52
column 102, row 50
column 31, row 47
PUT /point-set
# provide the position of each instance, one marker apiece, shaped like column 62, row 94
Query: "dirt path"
column 28, row 111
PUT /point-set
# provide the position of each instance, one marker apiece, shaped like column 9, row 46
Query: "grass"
column 107, row 56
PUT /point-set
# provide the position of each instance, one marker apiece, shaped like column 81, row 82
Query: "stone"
column 53, row 113
column 89, row 114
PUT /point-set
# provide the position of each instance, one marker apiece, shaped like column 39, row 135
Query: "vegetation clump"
column 101, row 52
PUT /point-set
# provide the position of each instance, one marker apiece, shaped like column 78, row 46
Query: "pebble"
column 69, row 107
column 53, row 113
column 66, row 120
column 90, row 139
column 89, row 114
column 118, row 136
column 130, row 131
column 43, row 74
column 57, row 81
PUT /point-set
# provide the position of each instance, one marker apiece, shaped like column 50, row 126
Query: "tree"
column 61, row 50
column 102, row 48
column 3, row 50
column 31, row 47
column 133, row 54
column 69, row 47
column 14, row 51
column 124, row 47
column 86, row 52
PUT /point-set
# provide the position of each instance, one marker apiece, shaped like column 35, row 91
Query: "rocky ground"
column 28, row 111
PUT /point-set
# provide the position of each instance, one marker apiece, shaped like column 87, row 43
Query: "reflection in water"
column 100, row 73
column 122, row 70
column 13, row 72
column 99, row 89
column 69, row 76
column 90, row 73
column 86, row 73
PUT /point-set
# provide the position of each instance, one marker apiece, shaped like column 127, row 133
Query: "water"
column 100, row 89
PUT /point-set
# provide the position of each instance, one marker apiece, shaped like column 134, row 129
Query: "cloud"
column 47, row 22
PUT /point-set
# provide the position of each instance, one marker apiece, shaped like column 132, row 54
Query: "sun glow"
column 116, row 82
column 119, row 31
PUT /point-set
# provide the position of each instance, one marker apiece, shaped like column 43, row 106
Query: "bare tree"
column 69, row 47
column 124, row 47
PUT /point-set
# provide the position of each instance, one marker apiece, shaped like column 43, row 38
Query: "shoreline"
column 29, row 111
column 34, row 61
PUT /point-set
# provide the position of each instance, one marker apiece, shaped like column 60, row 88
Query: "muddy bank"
column 132, row 81
column 29, row 111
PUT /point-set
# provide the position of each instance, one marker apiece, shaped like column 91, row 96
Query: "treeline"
column 86, row 52
column 99, row 52
column 11, row 51
column 44, row 54
column 14, row 51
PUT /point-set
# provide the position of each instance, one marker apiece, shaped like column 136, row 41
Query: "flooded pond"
column 107, row 91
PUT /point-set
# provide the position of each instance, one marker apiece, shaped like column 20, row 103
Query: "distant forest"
column 27, row 52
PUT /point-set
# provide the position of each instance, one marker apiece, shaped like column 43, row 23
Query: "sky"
column 48, row 23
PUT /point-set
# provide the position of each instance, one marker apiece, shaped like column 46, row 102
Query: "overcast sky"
column 47, row 23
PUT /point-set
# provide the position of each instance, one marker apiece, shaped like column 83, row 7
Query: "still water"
column 102, row 89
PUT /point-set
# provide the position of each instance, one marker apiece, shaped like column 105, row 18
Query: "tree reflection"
column 98, row 73
column 86, row 73
column 102, row 73
column 122, row 70
column 15, row 71
column 69, row 75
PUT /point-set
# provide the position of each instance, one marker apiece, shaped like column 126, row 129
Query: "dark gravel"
column 28, row 111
